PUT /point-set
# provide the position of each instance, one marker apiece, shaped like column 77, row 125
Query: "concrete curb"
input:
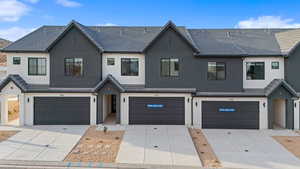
column 89, row 165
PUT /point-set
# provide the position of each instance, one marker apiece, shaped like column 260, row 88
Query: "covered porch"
column 12, row 100
column 281, row 102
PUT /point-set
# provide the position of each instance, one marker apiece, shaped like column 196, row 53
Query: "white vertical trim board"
column 263, row 108
column 93, row 110
column 197, row 112
column 4, row 109
column 296, row 115
column 21, row 99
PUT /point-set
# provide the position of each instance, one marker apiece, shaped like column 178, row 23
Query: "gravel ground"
column 97, row 146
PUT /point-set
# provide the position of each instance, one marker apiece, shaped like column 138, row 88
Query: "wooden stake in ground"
column 97, row 146
column 205, row 151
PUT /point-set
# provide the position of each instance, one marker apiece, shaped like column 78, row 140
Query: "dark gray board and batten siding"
column 291, row 69
column 61, row 110
column 244, row 116
column 192, row 69
column 75, row 45
column 171, row 113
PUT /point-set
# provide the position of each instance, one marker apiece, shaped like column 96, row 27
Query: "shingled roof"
column 218, row 42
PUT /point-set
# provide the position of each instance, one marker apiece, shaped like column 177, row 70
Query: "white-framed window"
column 129, row 66
column 255, row 70
column 37, row 66
column 73, row 67
column 16, row 60
column 110, row 61
column 275, row 65
column 169, row 67
column 216, row 71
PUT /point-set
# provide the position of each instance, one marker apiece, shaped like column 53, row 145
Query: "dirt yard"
column 13, row 110
column 291, row 143
column 205, row 151
column 97, row 146
column 4, row 135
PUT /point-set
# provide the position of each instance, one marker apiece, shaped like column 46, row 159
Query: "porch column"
column 4, row 109
column 93, row 110
column 21, row 98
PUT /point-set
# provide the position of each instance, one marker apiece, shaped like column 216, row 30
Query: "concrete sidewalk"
column 7, row 164
column 45, row 143
column 162, row 145
column 254, row 149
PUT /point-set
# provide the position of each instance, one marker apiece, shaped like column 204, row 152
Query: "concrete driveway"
column 162, row 145
column 251, row 149
column 45, row 143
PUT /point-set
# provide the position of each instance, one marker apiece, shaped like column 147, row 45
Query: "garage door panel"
column 171, row 112
column 61, row 110
column 239, row 114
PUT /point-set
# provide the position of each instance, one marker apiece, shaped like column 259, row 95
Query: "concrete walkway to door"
column 162, row 145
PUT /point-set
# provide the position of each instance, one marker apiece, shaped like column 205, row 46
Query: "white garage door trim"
column 29, row 104
column 125, row 104
column 263, row 108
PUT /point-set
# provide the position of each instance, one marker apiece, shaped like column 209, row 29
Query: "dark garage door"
column 156, row 110
column 61, row 110
column 230, row 115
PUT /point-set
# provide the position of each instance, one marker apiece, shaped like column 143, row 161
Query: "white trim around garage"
column 124, row 100
column 29, row 104
column 263, row 108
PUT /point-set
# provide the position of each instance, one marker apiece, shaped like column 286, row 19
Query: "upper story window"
column 16, row 60
column 255, row 70
column 37, row 66
column 110, row 61
column 216, row 71
column 73, row 66
column 169, row 67
column 275, row 65
column 129, row 66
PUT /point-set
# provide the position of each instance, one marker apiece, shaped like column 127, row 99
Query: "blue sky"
column 18, row 17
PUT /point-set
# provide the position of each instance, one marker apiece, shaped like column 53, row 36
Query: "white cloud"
column 12, row 10
column 68, row 3
column 33, row 1
column 14, row 33
column 108, row 24
column 268, row 22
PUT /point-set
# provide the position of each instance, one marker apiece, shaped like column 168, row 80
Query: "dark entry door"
column 113, row 103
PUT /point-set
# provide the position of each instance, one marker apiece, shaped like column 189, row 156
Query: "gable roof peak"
column 170, row 22
column 171, row 25
column 83, row 29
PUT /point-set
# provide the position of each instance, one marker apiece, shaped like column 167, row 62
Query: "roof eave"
column 239, row 55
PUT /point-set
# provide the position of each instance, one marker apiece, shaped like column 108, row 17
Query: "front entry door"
column 113, row 104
